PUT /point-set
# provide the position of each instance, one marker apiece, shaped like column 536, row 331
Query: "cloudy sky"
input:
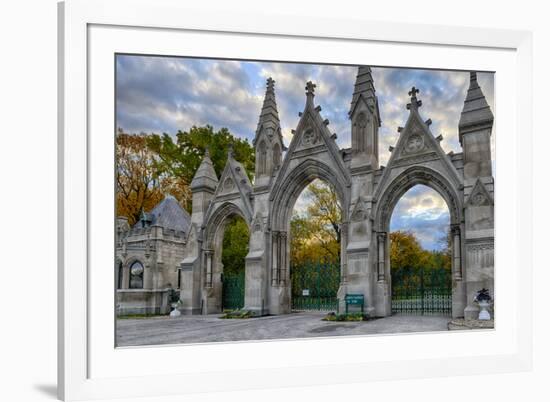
column 165, row 94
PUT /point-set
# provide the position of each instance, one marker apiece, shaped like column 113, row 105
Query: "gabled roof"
column 169, row 214
column 234, row 183
column 415, row 142
column 205, row 177
column 311, row 133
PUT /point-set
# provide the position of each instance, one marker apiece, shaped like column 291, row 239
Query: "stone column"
column 125, row 277
column 382, row 256
column 208, row 273
column 275, row 259
column 457, row 266
column 343, row 249
column 282, row 261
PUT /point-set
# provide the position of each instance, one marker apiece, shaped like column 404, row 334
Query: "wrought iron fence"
column 421, row 291
column 314, row 285
column 232, row 291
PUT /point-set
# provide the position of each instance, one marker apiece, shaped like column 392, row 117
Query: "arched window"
column 119, row 275
column 263, row 158
column 136, row 275
column 276, row 155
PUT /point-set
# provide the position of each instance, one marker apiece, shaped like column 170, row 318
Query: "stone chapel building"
column 148, row 256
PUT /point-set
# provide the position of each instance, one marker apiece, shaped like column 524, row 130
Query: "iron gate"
column 232, row 291
column 421, row 291
column 314, row 285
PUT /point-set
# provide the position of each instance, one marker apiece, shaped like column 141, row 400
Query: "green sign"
column 355, row 299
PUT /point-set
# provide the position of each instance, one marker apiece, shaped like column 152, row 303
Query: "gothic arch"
column 391, row 193
column 294, row 182
column 407, row 179
column 217, row 218
column 212, row 267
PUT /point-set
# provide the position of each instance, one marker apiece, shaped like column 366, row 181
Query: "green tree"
column 182, row 157
column 235, row 245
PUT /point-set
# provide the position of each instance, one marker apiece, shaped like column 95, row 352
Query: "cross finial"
column 310, row 88
column 207, row 152
column 413, row 92
column 415, row 103
column 270, row 84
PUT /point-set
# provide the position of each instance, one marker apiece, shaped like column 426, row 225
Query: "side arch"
column 405, row 181
column 211, row 257
column 382, row 213
column 216, row 219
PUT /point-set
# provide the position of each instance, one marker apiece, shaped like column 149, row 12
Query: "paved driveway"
column 199, row 329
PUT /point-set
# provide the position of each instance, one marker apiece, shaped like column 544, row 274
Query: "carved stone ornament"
column 257, row 224
column 359, row 213
column 479, row 199
column 228, row 184
column 309, row 138
column 414, row 144
column 479, row 195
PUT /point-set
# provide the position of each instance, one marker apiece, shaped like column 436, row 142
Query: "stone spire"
column 365, row 121
column 364, row 87
column 269, row 116
column 268, row 142
column 205, row 178
column 476, row 113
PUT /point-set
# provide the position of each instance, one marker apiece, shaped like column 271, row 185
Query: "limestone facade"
column 367, row 192
column 148, row 258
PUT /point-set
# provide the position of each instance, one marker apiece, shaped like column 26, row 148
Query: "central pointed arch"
column 296, row 181
column 282, row 204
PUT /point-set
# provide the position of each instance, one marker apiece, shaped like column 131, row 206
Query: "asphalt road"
column 201, row 329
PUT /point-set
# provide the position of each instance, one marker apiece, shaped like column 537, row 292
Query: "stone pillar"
column 459, row 287
column 456, row 264
column 382, row 256
column 343, row 255
column 208, row 272
column 382, row 296
column 125, row 277
column 275, row 258
column 283, row 266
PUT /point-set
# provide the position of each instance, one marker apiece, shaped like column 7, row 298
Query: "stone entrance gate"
column 367, row 193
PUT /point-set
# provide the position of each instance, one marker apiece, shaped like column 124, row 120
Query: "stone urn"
column 483, row 299
column 175, row 311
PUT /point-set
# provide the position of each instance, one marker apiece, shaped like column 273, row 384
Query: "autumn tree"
column 137, row 181
column 405, row 250
column 315, row 232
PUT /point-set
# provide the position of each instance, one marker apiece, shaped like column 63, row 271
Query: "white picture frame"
column 92, row 31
